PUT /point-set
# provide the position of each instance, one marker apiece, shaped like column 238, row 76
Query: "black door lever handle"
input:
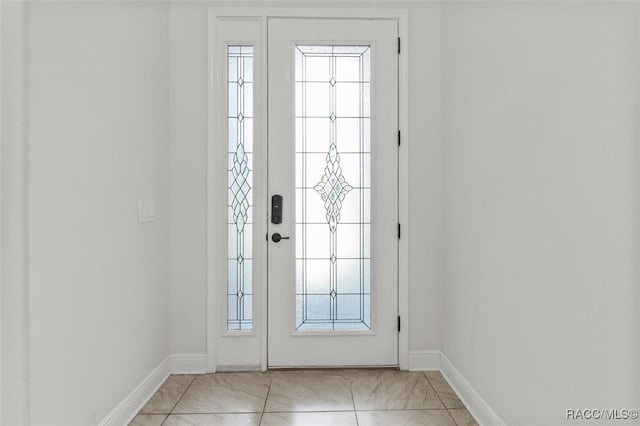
column 277, row 237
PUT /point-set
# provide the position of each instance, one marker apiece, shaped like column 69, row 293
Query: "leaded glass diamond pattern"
column 239, row 258
column 332, row 188
column 240, row 189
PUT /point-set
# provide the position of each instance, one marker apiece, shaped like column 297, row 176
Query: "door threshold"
column 334, row 367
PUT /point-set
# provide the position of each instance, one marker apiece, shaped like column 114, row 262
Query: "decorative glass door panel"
column 333, row 191
column 332, row 241
column 240, row 181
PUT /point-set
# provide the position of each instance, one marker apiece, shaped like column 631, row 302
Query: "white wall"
column 98, row 142
column 541, row 205
column 13, row 248
column 188, row 177
column 188, row 170
column 425, row 178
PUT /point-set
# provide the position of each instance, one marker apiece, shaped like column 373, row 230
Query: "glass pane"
column 332, row 188
column 239, row 183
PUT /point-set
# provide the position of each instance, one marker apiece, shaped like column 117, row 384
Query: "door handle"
column 277, row 237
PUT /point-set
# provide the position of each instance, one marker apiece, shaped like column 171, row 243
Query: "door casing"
column 217, row 338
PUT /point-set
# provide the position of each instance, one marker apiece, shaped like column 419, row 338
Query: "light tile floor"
column 376, row 397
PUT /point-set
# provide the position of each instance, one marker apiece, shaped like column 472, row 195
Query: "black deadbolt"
column 276, row 209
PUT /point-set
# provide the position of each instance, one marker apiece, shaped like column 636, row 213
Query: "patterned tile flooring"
column 376, row 397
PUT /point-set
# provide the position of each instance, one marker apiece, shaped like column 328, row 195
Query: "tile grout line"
column 434, row 389
column 264, row 407
column 453, row 418
column 147, row 415
column 353, row 401
column 303, row 411
column 180, row 399
column 404, row 409
column 453, row 392
column 277, row 412
column 440, row 399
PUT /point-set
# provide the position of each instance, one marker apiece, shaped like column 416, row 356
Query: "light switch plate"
column 146, row 211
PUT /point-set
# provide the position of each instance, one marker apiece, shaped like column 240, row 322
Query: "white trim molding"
column 188, row 363
column 127, row 409
column 424, row 360
column 477, row 406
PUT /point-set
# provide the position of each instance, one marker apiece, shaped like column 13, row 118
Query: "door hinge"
column 398, row 45
column 398, row 323
column 399, row 138
column 398, row 231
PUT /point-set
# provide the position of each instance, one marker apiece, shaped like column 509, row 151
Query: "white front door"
column 333, row 159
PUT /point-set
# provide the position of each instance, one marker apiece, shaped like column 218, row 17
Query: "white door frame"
column 216, row 285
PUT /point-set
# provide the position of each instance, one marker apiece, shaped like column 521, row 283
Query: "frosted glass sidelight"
column 333, row 192
column 239, row 183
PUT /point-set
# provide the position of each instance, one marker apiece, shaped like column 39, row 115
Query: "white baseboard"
column 126, row 410
column 424, row 360
column 188, row 363
column 477, row 406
